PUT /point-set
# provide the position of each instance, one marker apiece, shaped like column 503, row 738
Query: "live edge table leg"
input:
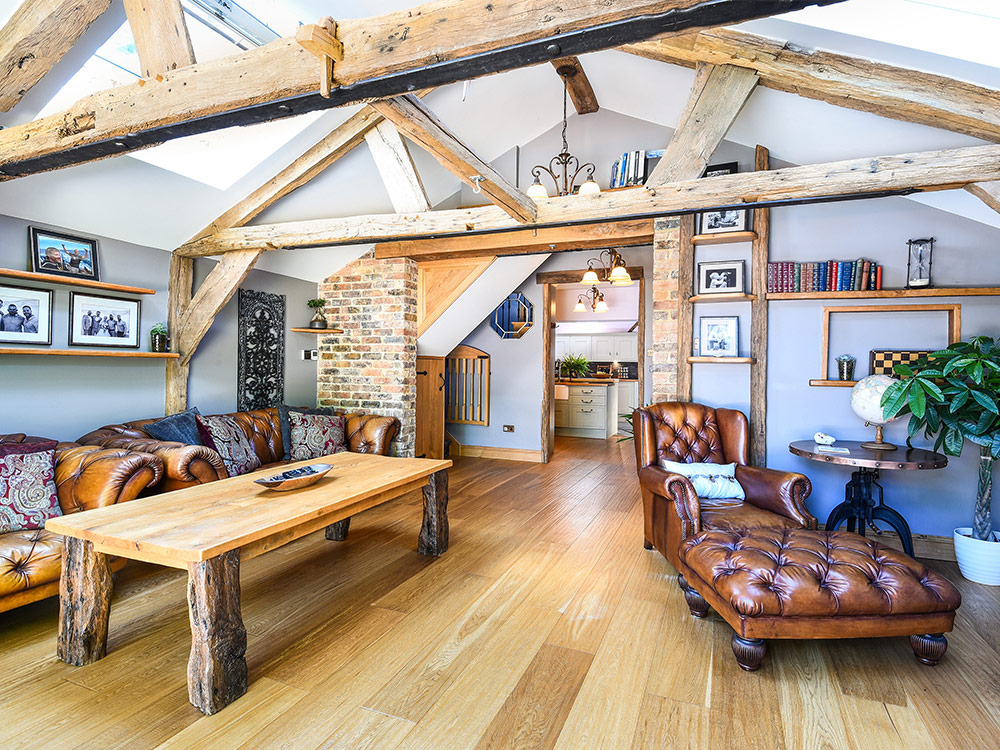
column 217, row 669
column 85, row 588
column 434, row 531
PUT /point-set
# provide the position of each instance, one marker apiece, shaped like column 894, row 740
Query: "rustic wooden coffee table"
column 208, row 530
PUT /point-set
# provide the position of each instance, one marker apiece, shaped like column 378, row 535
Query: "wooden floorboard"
column 545, row 625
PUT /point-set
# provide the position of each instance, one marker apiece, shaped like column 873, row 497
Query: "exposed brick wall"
column 666, row 252
column 371, row 367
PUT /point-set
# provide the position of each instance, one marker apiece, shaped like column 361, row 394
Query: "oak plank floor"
column 545, row 625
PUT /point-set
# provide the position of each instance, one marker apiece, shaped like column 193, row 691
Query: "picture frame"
column 719, row 222
column 63, row 254
column 722, row 277
column 32, row 310
column 720, row 337
column 96, row 320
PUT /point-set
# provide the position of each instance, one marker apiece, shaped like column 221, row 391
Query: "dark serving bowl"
column 295, row 479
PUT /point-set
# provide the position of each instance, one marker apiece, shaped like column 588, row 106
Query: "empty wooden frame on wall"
column 954, row 332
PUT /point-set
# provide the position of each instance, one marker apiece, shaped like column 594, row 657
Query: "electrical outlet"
column 306, row 354
column 314, row 354
column 508, row 428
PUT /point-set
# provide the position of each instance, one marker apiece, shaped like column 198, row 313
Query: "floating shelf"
column 90, row 353
column 963, row 291
column 723, row 238
column 722, row 298
column 833, row 383
column 722, row 360
column 316, row 330
column 51, row 278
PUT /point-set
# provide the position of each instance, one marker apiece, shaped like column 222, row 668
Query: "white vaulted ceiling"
column 167, row 194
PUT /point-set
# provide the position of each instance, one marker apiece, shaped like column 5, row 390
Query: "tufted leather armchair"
column 188, row 465
column 695, row 433
column 87, row 477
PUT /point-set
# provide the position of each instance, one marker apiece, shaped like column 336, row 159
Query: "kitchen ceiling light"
column 614, row 271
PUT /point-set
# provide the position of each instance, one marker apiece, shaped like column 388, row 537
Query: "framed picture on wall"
column 730, row 220
column 720, row 337
column 25, row 315
column 103, row 321
column 721, row 277
column 63, row 254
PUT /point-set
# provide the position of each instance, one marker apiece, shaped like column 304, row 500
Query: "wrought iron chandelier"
column 614, row 271
column 596, row 300
column 563, row 168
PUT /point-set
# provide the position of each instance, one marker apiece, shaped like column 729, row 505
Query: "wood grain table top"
column 902, row 458
column 200, row 522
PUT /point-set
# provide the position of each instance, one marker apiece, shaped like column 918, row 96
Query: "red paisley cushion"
column 315, row 435
column 27, row 486
column 224, row 435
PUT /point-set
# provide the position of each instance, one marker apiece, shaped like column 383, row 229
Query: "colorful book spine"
column 866, row 273
column 878, row 278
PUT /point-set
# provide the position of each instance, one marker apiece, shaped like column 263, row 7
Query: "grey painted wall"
column 65, row 397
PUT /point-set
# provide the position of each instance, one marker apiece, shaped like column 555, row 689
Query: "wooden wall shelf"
column 316, row 330
column 722, row 298
column 723, row 238
column 722, row 360
column 89, row 353
column 833, row 383
column 964, row 291
column 51, row 278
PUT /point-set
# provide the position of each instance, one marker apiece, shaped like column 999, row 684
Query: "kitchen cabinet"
column 591, row 411
column 628, row 396
column 602, row 348
column 627, row 347
column 605, row 347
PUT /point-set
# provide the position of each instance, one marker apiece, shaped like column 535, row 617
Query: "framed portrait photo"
column 720, row 337
column 103, row 321
column 25, row 315
column 716, row 222
column 63, row 254
column 721, row 277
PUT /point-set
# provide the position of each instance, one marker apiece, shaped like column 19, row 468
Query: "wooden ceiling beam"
column 395, row 165
column 843, row 180
column 436, row 43
column 161, row 35
column 412, row 118
column 717, row 98
column 36, row 37
column 842, row 80
column 987, row 192
column 581, row 93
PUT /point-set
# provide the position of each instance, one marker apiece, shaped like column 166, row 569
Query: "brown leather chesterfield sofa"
column 87, row 477
column 691, row 433
column 187, row 465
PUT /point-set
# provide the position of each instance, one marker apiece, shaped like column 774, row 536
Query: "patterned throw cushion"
column 179, row 428
column 27, row 485
column 710, row 481
column 225, row 436
column 286, row 429
column 315, row 435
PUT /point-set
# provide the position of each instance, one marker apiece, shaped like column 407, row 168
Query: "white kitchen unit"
column 591, row 411
column 603, row 347
column 628, row 400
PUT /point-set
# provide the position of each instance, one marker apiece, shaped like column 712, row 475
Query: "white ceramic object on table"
column 821, row 438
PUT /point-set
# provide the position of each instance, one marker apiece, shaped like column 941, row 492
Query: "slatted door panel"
column 467, row 386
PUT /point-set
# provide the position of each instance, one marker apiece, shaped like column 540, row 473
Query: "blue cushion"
column 285, row 426
column 179, row 428
column 710, row 481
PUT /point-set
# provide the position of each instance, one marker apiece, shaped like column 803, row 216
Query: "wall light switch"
column 314, row 353
column 306, row 354
column 508, row 428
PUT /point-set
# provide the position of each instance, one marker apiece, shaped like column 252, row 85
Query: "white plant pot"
column 978, row 560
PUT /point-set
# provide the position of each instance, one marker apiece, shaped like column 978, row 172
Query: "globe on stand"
column 866, row 401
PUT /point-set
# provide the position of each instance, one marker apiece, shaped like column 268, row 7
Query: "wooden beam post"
column 161, row 35
column 548, row 373
column 581, row 93
column 399, row 175
column 685, row 308
column 412, row 118
column 758, row 322
column 178, row 301
column 716, row 100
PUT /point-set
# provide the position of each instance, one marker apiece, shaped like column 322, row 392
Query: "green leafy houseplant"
column 158, row 329
column 576, row 365
column 316, row 304
column 954, row 396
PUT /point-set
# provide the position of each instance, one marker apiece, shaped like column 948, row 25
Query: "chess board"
column 881, row 361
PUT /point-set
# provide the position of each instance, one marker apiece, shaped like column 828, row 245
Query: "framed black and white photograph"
column 25, row 315
column 103, row 321
column 63, row 254
column 721, row 277
column 716, row 222
column 720, row 337
column 714, row 170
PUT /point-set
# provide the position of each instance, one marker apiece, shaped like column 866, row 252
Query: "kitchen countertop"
column 588, row 381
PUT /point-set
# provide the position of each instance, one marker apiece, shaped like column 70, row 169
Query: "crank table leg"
column 217, row 669
column 434, row 531
column 85, row 589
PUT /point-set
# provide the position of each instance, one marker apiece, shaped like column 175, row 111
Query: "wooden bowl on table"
column 295, row 479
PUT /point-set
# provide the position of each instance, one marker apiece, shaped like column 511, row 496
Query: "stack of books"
column 633, row 167
column 824, row 276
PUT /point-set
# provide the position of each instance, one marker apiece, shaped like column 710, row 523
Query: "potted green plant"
column 158, row 339
column 575, row 365
column 953, row 396
column 318, row 318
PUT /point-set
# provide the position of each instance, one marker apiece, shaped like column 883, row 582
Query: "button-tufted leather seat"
column 86, row 477
column 188, row 465
column 695, row 433
column 801, row 583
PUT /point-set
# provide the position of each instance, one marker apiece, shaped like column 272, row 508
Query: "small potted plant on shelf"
column 318, row 318
column 158, row 339
column 575, row 365
column 954, row 396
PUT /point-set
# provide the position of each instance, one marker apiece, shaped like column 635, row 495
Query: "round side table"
column 864, row 501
